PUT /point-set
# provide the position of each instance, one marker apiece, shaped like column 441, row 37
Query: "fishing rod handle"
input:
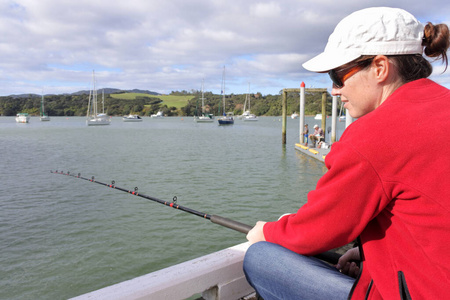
column 241, row 227
column 329, row 256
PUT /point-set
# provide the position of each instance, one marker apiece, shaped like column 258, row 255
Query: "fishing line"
column 329, row 256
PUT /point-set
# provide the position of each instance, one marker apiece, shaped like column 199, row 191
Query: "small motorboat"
column 132, row 118
column 22, row 118
column 159, row 114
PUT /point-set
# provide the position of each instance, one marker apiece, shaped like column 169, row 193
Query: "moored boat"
column 132, row 118
column 159, row 114
column 93, row 118
column 43, row 115
column 204, row 117
column 22, row 118
column 227, row 118
column 247, row 115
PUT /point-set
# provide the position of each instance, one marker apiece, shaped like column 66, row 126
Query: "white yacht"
column 205, row 117
column 132, row 118
column 22, row 118
column 159, row 114
column 93, row 118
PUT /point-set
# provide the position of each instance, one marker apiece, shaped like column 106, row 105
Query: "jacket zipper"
column 361, row 253
column 404, row 292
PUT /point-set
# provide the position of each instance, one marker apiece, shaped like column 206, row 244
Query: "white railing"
column 216, row 276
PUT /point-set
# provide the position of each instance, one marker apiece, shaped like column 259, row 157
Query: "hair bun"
column 436, row 40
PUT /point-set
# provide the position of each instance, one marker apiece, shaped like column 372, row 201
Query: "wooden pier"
column 316, row 153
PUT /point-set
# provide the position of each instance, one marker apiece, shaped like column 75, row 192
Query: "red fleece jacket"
column 388, row 181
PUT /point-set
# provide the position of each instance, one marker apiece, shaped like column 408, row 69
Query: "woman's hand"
column 256, row 234
column 346, row 264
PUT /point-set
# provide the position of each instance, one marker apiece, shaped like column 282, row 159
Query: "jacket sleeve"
column 346, row 198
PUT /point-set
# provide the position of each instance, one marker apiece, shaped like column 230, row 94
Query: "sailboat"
column 204, row 118
column 247, row 115
column 43, row 116
column 227, row 118
column 92, row 117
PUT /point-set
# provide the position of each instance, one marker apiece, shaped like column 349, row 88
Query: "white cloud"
column 173, row 44
column 266, row 10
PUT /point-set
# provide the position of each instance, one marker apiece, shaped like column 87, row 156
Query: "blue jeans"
column 278, row 273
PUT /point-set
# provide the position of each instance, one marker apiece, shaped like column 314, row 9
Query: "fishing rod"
column 328, row 256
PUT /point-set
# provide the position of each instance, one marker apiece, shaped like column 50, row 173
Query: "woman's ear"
column 381, row 68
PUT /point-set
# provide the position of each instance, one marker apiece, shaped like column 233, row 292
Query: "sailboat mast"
column 89, row 104
column 247, row 98
column 42, row 104
column 203, row 98
column 223, row 90
column 94, row 95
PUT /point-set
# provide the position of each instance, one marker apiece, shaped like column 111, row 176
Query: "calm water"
column 62, row 237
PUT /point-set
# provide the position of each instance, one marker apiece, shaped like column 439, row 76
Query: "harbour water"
column 62, row 237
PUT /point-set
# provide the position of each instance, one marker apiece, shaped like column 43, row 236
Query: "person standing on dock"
column 305, row 134
column 386, row 188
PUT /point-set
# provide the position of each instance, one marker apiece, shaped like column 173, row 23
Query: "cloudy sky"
column 171, row 45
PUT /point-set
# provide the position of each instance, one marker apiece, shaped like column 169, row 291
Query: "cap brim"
column 326, row 61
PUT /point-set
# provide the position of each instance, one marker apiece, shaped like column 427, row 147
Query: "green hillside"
column 177, row 101
column 176, row 104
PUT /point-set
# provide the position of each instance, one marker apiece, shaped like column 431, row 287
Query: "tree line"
column 76, row 105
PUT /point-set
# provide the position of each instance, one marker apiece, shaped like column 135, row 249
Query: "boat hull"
column 226, row 122
column 250, row 117
column 227, row 119
column 22, row 118
column 159, row 114
column 203, row 119
column 132, row 118
column 98, row 121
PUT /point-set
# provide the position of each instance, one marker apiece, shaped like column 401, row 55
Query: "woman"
column 386, row 185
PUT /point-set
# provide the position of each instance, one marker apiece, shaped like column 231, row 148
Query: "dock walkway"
column 317, row 153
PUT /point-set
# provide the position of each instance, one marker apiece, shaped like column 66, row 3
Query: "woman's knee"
column 253, row 255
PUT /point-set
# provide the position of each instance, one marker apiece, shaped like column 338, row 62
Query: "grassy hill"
column 177, row 101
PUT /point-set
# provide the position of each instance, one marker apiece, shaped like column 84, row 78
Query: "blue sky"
column 171, row 45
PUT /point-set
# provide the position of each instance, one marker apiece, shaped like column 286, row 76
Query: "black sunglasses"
column 339, row 76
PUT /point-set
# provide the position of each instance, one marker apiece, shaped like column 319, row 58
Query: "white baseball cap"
column 370, row 31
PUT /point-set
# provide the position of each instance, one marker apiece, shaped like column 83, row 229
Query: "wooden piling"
column 302, row 113
column 301, row 92
column 324, row 112
column 333, row 120
column 283, row 117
